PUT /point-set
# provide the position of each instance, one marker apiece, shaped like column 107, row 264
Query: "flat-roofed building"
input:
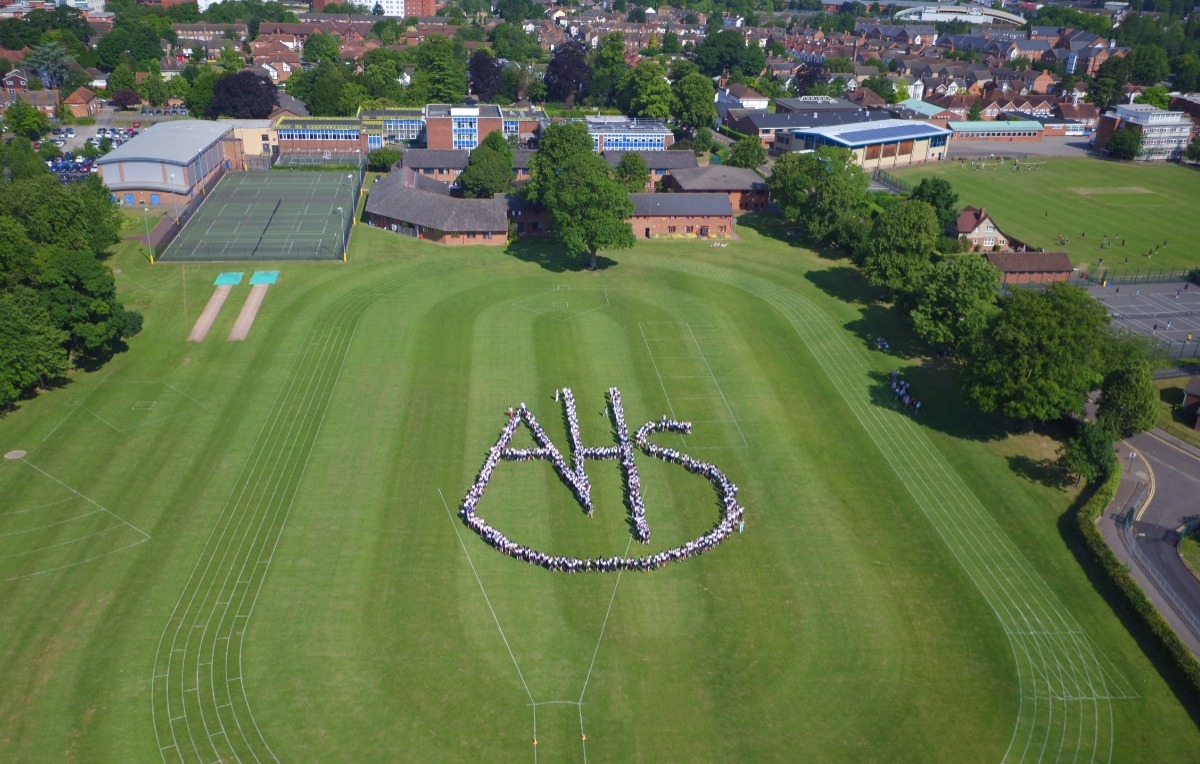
column 1165, row 134
column 259, row 138
column 321, row 135
column 885, row 144
column 1013, row 130
column 463, row 127
column 170, row 162
column 615, row 133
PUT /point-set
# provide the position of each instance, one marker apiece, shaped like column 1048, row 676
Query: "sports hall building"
column 884, row 144
column 170, row 162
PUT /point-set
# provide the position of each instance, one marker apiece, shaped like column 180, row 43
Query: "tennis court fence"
column 172, row 223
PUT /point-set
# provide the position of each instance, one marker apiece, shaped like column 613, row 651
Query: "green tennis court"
column 271, row 216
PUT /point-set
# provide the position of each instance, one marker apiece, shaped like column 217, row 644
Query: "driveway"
column 1161, row 488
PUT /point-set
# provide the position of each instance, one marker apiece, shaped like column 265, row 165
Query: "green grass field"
column 1145, row 204
column 248, row 551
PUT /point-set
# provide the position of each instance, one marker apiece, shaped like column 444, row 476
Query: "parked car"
column 137, row 124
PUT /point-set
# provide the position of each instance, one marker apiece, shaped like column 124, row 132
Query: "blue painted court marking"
column 264, row 277
column 231, row 278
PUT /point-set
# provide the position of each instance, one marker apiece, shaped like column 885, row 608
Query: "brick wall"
column 439, row 133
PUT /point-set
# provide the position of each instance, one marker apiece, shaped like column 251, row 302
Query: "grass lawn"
column 1145, row 204
column 248, row 550
column 1189, row 550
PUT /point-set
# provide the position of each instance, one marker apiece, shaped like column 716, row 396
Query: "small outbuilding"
column 1191, row 399
column 1031, row 267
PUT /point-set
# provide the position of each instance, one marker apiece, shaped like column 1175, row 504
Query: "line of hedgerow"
column 1088, row 517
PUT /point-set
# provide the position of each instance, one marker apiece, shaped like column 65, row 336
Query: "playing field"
column 1145, row 205
column 249, row 551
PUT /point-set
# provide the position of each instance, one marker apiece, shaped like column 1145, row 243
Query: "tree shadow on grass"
column 1044, row 471
column 844, row 283
column 548, row 254
column 876, row 321
column 1102, row 584
column 936, row 385
column 771, row 225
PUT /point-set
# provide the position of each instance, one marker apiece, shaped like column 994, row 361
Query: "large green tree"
column 898, row 252
column 609, row 70
column 485, row 70
column 441, row 75
column 322, row 47
column 50, row 63
column 1128, row 399
column 588, row 207
column 939, row 194
column 32, row 349
column 25, row 120
column 1125, row 144
column 823, row 193
column 727, row 52
column 694, row 105
column 557, row 143
column 648, row 94
column 632, row 172
column 488, row 172
column 748, row 152
column 1040, row 356
column 1147, row 64
column 1089, row 453
column 956, row 300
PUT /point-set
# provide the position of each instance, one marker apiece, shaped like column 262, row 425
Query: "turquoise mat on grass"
column 232, row 278
column 264, row 277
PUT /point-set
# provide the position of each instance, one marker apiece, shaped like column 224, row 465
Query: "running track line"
column 1064, row 709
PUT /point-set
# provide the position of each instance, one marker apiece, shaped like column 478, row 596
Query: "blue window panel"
column 374, row 141
column 154, row 199
column 129, row 198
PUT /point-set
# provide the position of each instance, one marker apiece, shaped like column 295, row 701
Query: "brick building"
column 1015, row 130
column 417, row 206
column 681, row 215
column 83, row 103
column 318, row 135
column 1165, row 134
column 437, row 164
column 1031, row 267
column 978, row 228
column 659, row 163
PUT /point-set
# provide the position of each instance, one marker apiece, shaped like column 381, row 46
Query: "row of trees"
column 1029, row 355
column 58, row 303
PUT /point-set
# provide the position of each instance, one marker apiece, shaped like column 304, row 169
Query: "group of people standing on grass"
column 732, row 513
column 903, row 393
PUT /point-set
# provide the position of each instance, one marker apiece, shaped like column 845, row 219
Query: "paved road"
column 1163, row 479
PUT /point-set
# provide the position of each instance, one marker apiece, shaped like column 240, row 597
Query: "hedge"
column 1088, row 518
column 729, row 132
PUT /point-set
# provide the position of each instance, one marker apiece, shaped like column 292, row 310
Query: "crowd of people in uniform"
column 903, row 393
column 732, row 517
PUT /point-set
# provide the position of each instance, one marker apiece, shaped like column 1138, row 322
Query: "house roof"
column 448, row 159
column 1031, row 262
column 719, row 178
column 744, row 93
column 969, row 219
column 81, row 96
column 406, row 196
column 681, row 205
column 656, row 160
column 924, row 108
column 983, row 127
column 1193, row 386
column 175, row 142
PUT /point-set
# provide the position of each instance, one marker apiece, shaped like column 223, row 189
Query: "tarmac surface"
column 1074, row 146
column 1157, row 500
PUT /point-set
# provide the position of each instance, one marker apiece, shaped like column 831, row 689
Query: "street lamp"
column 146, row 221
column 345, row 233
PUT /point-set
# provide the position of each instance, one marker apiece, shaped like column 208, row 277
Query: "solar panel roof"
column 890, row 133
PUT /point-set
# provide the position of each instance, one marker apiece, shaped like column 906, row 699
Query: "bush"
column 1087, row 518
column 381, row 160
column 730, row 133
column 84, row 121
column 995, row 247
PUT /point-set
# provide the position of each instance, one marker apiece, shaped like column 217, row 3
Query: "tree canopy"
column 632, row 172
column 694, row 105
column 1040, row 355
column 557, row 143
column 568, row 72
column 955, row 301
column 244, row 95
column 489, row 169
column 939, row 194
column 748, row 152
column 1128, row 399
column 1125, row 144
column 727, row 52
column 898, row 252
column 588, row 207
column 824, row 193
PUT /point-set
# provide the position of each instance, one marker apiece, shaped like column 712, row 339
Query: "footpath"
column 1157, row 500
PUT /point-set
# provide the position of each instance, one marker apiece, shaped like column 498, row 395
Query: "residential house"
column 83, row 103
column 978, row 228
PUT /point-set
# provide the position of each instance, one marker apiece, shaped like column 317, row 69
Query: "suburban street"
column 1162, row 482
